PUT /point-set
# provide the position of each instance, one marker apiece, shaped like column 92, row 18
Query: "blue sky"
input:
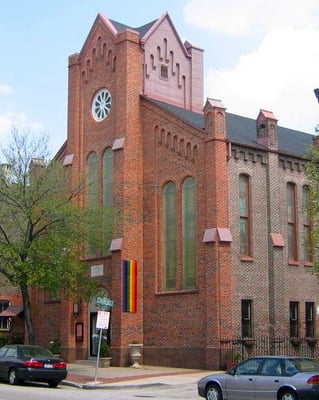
column 259, row 54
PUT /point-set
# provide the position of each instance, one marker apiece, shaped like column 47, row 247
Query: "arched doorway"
column 93, row 332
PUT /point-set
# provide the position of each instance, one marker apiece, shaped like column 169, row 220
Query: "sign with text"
column 104, row 302
column 97, row 270
column 103, row 319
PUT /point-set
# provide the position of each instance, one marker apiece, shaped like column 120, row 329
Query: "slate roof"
column 142, row 29
column 242, row 130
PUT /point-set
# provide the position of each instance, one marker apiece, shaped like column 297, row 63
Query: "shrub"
column 105, row 349
column 3, row 339
column 55, row 346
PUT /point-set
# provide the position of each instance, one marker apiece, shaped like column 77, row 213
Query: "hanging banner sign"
column 103, row 319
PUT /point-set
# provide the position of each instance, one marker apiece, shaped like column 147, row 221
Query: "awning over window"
column 12, row 311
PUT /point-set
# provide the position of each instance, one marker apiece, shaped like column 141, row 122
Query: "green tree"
column 42, row 227
column 312, row 173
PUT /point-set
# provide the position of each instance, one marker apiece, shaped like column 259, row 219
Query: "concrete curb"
column 122, row 378
column 101, row 385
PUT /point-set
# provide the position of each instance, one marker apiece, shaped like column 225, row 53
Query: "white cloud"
column 5, row 125
column 6, row 89
column 244, row 17
column 18, row 119
column 279, row 76
column 280, row 71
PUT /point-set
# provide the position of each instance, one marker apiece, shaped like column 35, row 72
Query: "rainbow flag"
column 129, row 286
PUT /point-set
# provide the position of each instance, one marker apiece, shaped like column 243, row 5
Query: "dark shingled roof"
column 142, row 30
column 242, row 130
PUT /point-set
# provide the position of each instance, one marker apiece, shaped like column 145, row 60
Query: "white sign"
column 97, row 270
column 103, row 319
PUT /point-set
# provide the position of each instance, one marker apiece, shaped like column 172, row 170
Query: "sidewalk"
column 85, row 376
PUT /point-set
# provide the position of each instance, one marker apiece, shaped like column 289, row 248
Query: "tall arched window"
column 108, row 178
column 189, row 233
column 292, row 222
column 93, row 180
column 245, row 216
column 107, row 195
column 92, row 198
column 306, row 225
column 169, row 235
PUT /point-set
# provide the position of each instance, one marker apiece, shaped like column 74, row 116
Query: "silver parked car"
column 265, row 378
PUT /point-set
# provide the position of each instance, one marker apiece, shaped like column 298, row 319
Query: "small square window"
column 164, row 71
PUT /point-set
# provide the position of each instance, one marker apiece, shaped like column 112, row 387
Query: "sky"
column 258, row 54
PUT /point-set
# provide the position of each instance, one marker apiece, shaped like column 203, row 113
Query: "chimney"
column 215, row 118
column 267, row 130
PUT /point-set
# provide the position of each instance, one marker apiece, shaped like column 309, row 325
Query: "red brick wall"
column 268, row 279
column 184, row 322
column 159, row 148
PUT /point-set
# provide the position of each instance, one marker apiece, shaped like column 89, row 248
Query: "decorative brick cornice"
column 248, row 154
column 292, row 164
column 177, row 143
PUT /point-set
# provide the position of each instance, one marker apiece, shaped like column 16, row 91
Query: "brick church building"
column 215, row 223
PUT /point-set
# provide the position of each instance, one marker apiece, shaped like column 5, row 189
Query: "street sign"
column 104, row 302
column 102, row 322
column 103, row 319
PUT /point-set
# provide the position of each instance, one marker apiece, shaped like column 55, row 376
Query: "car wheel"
column 213, row 392
column 13, row 379
column 287, row 395
column 53, row 384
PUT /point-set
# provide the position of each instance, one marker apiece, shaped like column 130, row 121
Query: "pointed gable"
column 101, row 26
column 99, row 47
column 173, row 70
column 168, row 25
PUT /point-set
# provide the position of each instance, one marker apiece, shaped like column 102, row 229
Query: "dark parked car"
column 265, row 378
column 19, row 363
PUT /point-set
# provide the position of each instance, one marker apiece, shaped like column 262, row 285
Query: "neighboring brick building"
column 203, row 196
column 11, row 312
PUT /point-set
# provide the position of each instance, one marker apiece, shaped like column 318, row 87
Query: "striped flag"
column 129, row 286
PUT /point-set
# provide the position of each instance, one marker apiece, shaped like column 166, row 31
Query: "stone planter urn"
column 105, row 355
column 135, row 354
column 105, row 362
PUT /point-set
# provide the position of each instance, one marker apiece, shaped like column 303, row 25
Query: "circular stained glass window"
column 101, row 105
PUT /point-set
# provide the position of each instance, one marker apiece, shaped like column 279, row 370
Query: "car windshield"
column 305, row 364
column 35, row 351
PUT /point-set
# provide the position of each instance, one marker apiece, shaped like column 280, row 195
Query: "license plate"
column 48, row 366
